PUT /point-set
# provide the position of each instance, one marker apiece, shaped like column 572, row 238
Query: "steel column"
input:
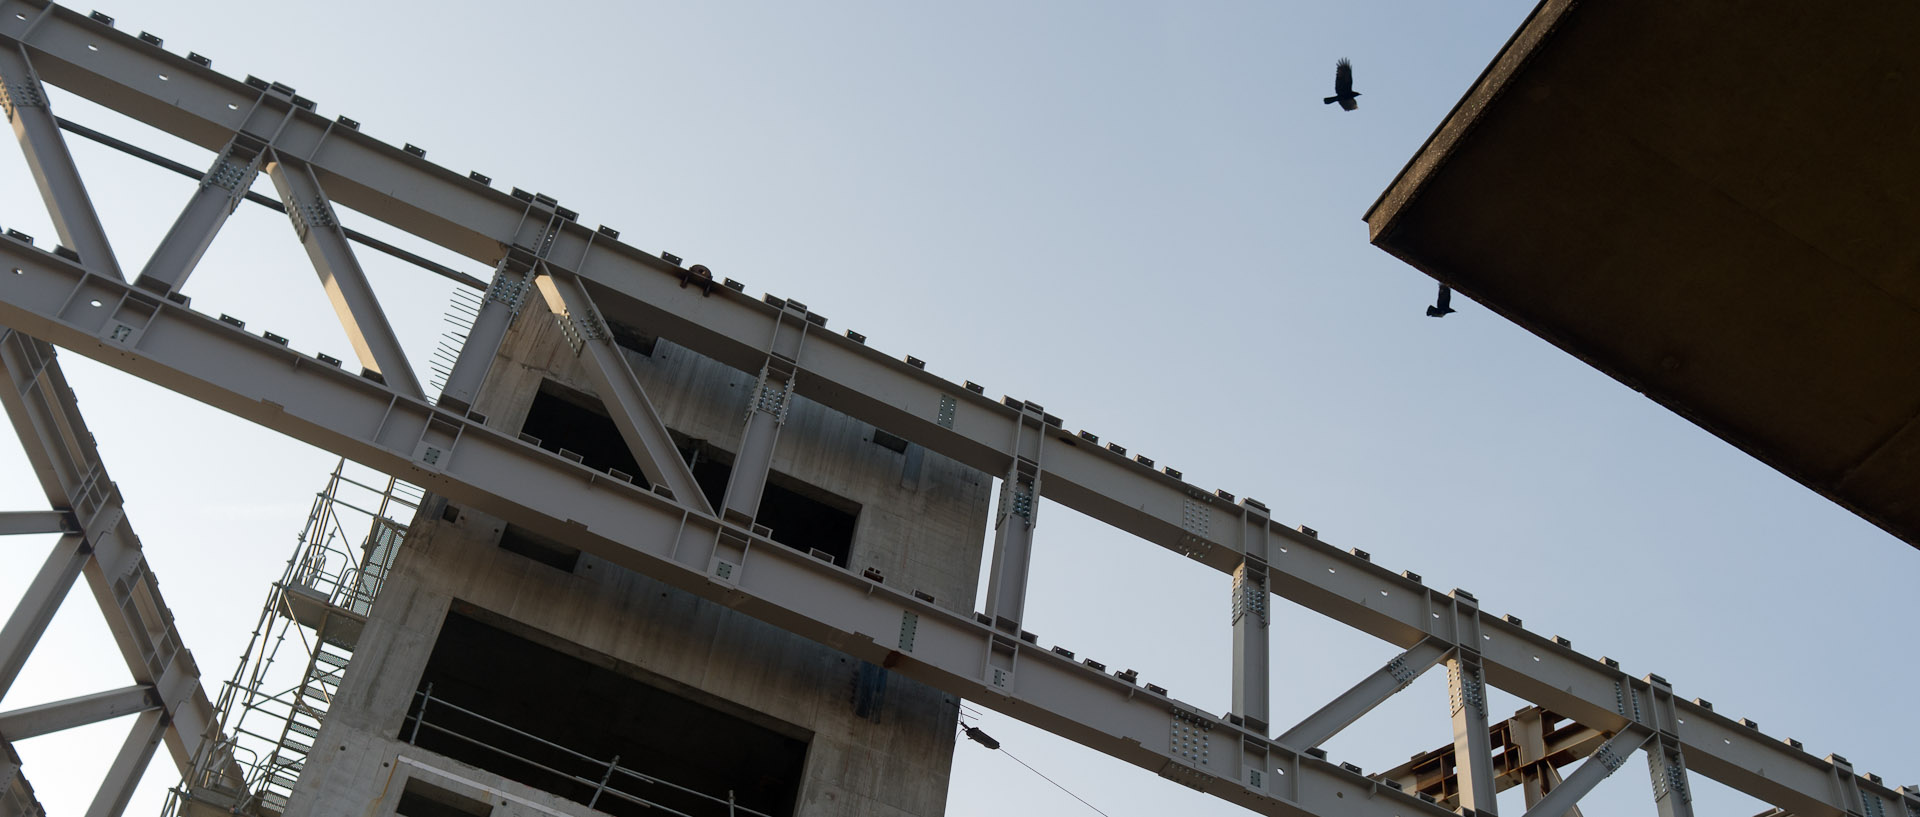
column 318, row 227
column 1252, row 617
column 512, row 279
column 1467, row 694
column 1665, row 764
column 1362, row 697
column 35, row 610
column 129, row 765
column 626, row 402
column 34, row 721
column 767, row 407
column 25, row 102
column 1015, row 516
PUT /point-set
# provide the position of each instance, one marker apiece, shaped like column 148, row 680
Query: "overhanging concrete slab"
column 1716, row 203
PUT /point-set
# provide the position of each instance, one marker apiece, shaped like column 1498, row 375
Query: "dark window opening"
column 889, row 441
column 539, row 548
column 511, row 706
column 801, row 516
column 802, row 521
column 632, row 338
column 567, row 418
column 422, row 799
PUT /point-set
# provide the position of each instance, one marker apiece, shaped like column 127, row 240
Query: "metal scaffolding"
column 272, row 708
column 76, row 296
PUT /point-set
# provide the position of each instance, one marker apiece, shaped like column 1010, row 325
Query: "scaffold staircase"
column 271, row 712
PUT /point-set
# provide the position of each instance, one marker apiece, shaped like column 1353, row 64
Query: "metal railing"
column 609, row 771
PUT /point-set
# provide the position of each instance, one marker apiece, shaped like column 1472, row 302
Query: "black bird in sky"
column 1343, row 91
column 1442, row 308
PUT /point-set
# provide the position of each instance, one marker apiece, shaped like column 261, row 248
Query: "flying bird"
column 1343, row 91
column 1442, row 308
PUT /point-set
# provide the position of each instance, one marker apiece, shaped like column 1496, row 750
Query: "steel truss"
column 98, row 541
column 76, row 297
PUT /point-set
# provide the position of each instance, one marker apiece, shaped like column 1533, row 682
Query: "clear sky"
column 1137, row 214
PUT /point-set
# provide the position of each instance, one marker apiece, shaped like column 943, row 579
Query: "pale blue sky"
column 1139, row 215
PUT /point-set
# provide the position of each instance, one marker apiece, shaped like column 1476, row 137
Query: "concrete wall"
column 922, row 521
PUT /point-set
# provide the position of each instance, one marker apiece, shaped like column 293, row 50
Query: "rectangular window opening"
column 889, row 441
column 552, row 720
column 516, row 539
column 566, row 418
column 422, row 799
column 802, row 516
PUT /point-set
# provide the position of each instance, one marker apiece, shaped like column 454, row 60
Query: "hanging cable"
column 977, row 736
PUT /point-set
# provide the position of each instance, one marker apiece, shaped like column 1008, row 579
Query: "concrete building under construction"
column 508, row 671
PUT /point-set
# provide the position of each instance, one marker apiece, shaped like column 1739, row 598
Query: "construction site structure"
column 677, row 548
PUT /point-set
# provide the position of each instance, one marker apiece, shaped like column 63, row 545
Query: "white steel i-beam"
column 1467, row 697
column 1252, row 617
column 626, row 402
column 767, row 407
column 42, row 719
column 512, row 279
column 27, row 108
column 1015, row 517
column 129, row 764
column 1372, row 691
column 318, row 227
column 14, row 523
column 1666, row 765
column 224, row 187
column 1601, row 765
column 35, row 610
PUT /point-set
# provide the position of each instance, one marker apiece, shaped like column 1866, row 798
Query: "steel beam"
column 1370, row 692
column 14, row 523
column 318, row 227
column 35, row 610
column 1601, row 765
column 468, row 462
column 620, row 391
column 47, row 420
column 465, row 216
column 512, row 280
column 223, row 188
column 129, row 765
column 26, row 106
column 34, row 721
column 769, row 402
